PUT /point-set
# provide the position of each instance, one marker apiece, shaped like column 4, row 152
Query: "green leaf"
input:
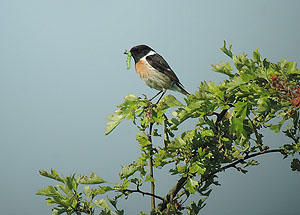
column 241, row 109
column 256, row 56
column 252, row 163
column 114, row 202
column 227, row 51
column 275, row 127
column 102, row 190
column 92, row 179
column 87, row 191
column 223, row 68
column 208, row 133
column 292, row 68
column 179, row 141
column 198, row 168
column 114, row 120
column 149, row 178
column 50, row 191
column 143, row 140
column 191, row 186
column 129, row 170
column 102, row 203
column 168, row 102
column 58, row 211
column 68, row 190
column 129, row 108
column 237, row 126
column 53, row 175
column 121, row 187
column 263, row 104
column 174, row 145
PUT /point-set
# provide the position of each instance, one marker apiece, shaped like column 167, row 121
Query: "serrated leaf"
column 149, row 178
column 58, row 211
column 92, row 179
column 179, row 141
column 50, row 191
column 207, row 133
column 114, row 121
column 252, row 163
column 292, row 68
column 198, row 168
column 169, row 101
column 128, row 171
column 87, row 191
column 102, row 203
column 275, row 128
column 114, row 202
column 102, row 190
column 223, row 68
column 237, row 126
column 174, row 145
column 130, row 97
column 53, row 175
column 66, row 189
column 256, row 56
column 143, row 140
column 191, row 186
column 227, row 51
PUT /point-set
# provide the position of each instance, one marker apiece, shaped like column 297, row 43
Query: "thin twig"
column 143, row 193
column 166, row 139
column 251, row 156
column 233, row 164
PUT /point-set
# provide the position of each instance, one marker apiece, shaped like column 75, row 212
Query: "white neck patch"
column 149, row 53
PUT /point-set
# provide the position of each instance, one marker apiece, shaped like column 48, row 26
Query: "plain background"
column 62, row 71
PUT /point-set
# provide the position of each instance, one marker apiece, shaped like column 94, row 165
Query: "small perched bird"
column 155, row 71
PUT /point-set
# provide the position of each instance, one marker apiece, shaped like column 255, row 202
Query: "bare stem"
column 151, row 168
column 144, row 193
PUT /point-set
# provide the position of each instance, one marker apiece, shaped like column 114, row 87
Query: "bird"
column 155, row 71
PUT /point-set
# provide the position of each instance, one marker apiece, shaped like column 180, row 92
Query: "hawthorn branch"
column 220, row 116
column 266, row 151
column 180, row 184
column 166, row 139
column 172, row 193
column 143, row 193
column 182, row 181
column 233, row 164
column 151, row 168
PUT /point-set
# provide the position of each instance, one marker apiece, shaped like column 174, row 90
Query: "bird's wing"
column 159, row 63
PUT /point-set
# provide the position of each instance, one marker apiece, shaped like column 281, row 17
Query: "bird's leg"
column 155, row 95
column 164, row 91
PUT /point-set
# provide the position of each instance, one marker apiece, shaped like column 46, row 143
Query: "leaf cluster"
column 228, row 133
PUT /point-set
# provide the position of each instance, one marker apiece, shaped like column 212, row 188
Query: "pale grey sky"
column 62, row 71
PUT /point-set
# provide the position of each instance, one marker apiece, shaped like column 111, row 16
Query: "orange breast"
column 142, row 69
